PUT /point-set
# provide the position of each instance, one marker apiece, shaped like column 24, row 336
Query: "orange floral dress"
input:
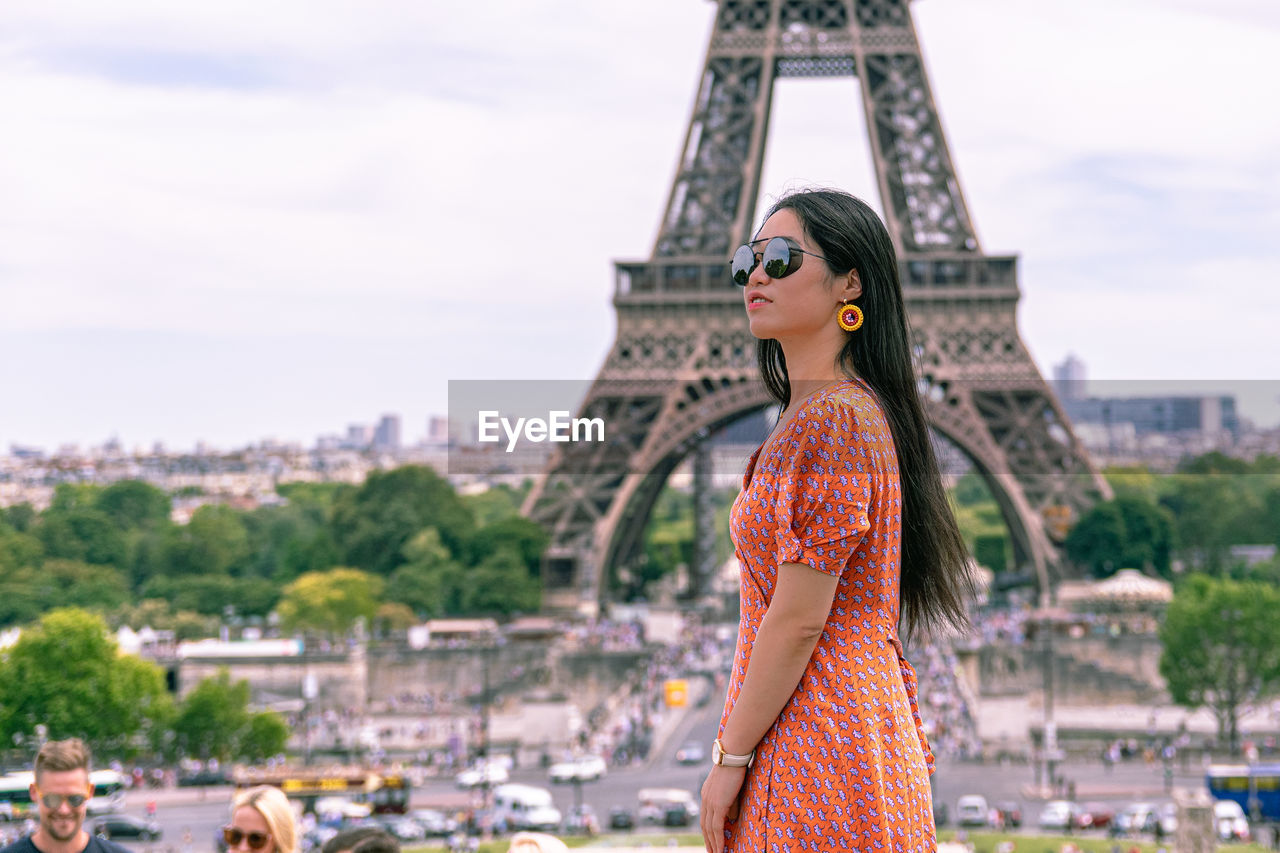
column 846, row 765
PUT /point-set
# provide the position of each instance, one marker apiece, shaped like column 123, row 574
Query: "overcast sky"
column 232, row 220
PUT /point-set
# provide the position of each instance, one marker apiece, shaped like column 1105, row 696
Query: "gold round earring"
column 849, row 317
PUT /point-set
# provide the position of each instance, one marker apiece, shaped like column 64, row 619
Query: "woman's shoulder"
column 846, row 403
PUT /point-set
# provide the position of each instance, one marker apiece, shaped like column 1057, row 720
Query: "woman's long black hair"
column 936, row 578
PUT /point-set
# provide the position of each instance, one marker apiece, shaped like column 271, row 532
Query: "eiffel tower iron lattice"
column 683, row 363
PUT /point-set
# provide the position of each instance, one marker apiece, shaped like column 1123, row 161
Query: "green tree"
column 212, row 718
column 1097, row 540
column 287, row 541
column 134, row 503
column 528, row 538
column 971, row 489
column 67, row 674
column 18, row 549
column 392, row 616
column 214, row 542
column 991, row 552
column 211, row 595
column 501, row 585
column 29, row 591
column 21, row 517
column 330, row 602
column 70, row 496
column 496, row 503
column 1222, row 648
column 265, row 736
column 430, row 583
column 373, row 523
column 1148, row 535
column 1207, row 510
column 82, row 533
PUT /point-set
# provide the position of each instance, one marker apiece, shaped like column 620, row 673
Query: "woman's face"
column 250, row 821
column 799, row 305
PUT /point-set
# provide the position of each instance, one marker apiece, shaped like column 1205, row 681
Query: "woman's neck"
column 809, row 369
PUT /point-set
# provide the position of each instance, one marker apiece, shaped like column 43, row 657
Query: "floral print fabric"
column 846, row 766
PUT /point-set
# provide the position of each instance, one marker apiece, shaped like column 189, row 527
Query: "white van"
column 525, row 807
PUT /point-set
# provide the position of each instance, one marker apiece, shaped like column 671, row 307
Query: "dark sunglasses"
column 233, row 835
column 53, row 802
column 781, row 257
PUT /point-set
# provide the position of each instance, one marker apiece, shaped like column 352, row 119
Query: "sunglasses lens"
column 55, row 801
column 777, row 258
column 233, row 836
column 744, row 261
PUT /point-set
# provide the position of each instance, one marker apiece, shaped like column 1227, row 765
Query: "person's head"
column 61, row 789
column 364, row 839
column 846, row 256
column 850, row 257
column 536, row 842
column 262, row 821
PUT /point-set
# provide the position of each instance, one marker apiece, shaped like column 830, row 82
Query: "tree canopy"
column 67, row 674
column 1222, row 647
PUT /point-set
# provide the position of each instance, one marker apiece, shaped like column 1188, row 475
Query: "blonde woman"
column 262, row 821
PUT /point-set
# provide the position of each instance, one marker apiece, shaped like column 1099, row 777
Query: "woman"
column 262, row 821
column 821, row 745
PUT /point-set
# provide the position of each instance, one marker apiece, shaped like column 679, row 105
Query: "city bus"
column 385, row 793
column 1243, row 782
column 15, row 793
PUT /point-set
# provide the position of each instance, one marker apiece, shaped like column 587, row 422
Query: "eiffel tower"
column 683, row 363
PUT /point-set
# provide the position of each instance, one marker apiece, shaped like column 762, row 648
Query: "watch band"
column 728, row 759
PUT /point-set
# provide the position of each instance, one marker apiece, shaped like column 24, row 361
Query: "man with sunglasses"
column 61, row 792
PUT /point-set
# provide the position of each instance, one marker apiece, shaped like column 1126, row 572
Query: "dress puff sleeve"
column 825, row 479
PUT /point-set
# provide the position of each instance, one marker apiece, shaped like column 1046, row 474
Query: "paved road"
column 182, row 808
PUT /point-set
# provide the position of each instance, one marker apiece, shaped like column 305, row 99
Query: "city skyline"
column 220, row 231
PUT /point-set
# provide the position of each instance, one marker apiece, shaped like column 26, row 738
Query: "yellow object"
column 676, row 691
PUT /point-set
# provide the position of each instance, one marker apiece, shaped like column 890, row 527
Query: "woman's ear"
column 852, row 288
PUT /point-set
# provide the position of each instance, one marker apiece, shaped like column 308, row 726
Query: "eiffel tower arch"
column 683, row 363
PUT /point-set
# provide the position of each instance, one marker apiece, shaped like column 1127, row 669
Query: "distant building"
column 359, row 436
column 1165, row 414
column 1068, row 378
column 437, row 430
column 387, row 435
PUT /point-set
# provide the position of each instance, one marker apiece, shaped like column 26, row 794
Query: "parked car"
column 404, row 828
column 1096, row 816
column 1229, row 821
column 1060, row 814
column 126, row 826
column 667, row 806
column 621, row 818
column 971, row 810
column 584, row 768
column 435, row 823
column 1010, row 812
column 489, row 772
column 691, row 753
column 1135, row 818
